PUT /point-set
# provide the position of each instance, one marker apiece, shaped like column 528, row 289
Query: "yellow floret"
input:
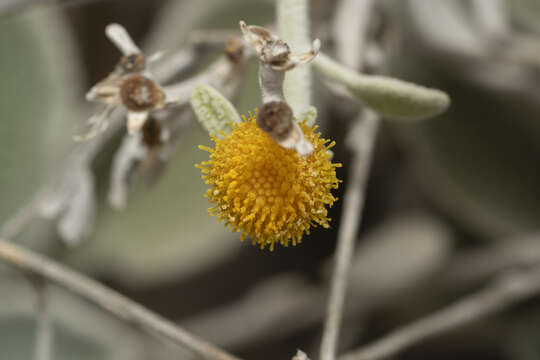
column 267, row 192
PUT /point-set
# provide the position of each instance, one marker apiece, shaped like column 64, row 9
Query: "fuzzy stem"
column 293, row 28
column 44, row 345
column 362, row 141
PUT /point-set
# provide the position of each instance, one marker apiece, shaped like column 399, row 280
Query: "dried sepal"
column 304, row 58
column 256, row 36
column 106, row 91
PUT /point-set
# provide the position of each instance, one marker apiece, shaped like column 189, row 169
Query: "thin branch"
column 15, row 224
column 350, row 26
column 108, row 299
column 502, row 293
column 44, row 343
column 363, row 139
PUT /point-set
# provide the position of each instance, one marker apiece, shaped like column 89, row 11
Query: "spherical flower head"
column 266, row 192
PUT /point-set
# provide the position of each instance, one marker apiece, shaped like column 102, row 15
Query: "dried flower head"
column 139, row 93
column 267, row 192
column 130, row 85
column 274, row 51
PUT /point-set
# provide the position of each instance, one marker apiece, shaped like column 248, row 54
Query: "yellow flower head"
column 265, row 191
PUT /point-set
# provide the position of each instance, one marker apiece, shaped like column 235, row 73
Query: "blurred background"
column 451, row 201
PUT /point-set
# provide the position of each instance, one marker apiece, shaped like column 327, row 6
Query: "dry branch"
column 44, row 343
column 505, row 291
column 107, row 299
column 362, row 143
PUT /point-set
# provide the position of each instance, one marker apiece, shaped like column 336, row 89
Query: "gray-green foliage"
column 392, row 98
column 213, row 110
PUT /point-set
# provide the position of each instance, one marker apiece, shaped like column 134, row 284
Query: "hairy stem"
column 293, row 28
column 44, row 343
column 363, row 135
column 502, row 293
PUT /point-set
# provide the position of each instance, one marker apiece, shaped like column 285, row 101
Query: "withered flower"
column 130, row 85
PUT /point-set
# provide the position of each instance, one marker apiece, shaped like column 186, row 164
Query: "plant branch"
column 361, row 141
column 505, row 291
column 44, row 343
column 108, row 299
column 16, row 223
column 363, row 137
column 350, row 27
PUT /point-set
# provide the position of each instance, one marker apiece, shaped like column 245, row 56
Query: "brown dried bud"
column 132, row 63
column 234, row 49
column 276, row 53
column 151, row 133
column 139, row 93
column 276, row 118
